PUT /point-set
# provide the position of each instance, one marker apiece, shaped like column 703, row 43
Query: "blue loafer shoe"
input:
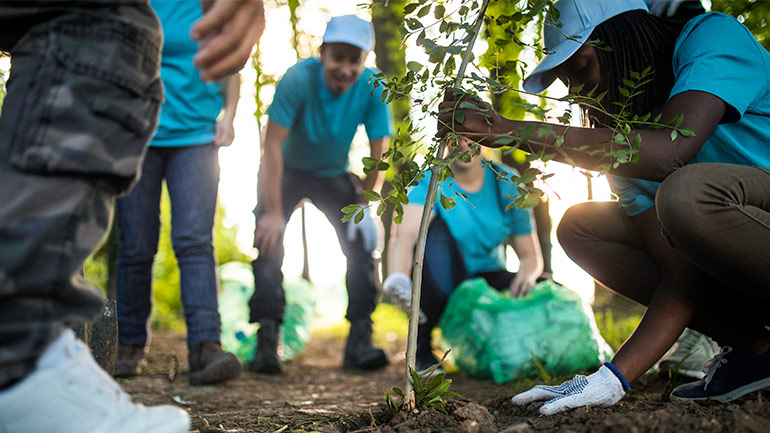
column 728, row 376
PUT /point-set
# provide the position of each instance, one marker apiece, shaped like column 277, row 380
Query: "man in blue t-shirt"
column 318, row 105
column 463, row 242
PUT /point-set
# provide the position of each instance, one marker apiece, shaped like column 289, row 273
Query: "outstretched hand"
column 227, row 32
column 469, row 116
column 602, row 388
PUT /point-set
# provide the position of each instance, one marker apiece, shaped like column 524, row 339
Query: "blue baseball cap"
column 577, row 20
column 351, row 30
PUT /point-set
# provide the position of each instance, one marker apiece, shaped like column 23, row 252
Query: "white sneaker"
column 688, row 355
column 69, row 393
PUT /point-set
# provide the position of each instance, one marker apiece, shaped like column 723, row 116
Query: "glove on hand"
column 603, row 388
column 366, row 228
column 399, row 286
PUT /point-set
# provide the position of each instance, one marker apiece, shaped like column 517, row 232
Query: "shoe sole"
column 369, row 364
column 730, row 396
column 218, row 371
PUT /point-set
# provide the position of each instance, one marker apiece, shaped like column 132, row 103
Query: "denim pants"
column 82, row 102
column 717, row 216
column 192, row 177
column 330, row 195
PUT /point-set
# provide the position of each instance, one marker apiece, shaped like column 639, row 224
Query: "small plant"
column 430, row 389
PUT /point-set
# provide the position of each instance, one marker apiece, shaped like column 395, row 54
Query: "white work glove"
column 603, row 388
column 399, row 286
column 367, row 229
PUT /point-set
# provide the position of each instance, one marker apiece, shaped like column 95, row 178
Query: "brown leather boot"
column 131, row 360
column 210, row 364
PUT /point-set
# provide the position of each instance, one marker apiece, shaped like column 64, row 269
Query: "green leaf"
column 372, row 195
column 673, row 135
column 351, row 209
column 447, row 202
column 439, row 12
column 414, row 66
column 458, row 116
column 381, row 208
column 408, row 9
column 359, row 216
column 423, row 11
column 687, row 132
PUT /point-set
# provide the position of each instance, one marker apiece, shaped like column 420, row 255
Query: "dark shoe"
column 728, row 376
column 359, row 352
column 210, row 364
column 266, row 359
column 424, row 359
column 131, row 360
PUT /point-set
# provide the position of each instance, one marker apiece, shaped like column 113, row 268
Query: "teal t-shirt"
column 480, row 224
column 189, row 113
column 321, row 124
column 718, row 55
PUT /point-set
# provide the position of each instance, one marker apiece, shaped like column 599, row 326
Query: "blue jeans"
column 192, row 176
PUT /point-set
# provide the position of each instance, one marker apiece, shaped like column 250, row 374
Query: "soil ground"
column 314, row 394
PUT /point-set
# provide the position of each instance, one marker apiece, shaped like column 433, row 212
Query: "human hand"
column 399, row 286
column 522, row 285
column 469, row 116
column 224, row 133
column 269, row 232
column 603, row 388
column 366, row 228
column 227, row 32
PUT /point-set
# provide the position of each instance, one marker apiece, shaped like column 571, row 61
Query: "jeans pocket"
column 92, row 98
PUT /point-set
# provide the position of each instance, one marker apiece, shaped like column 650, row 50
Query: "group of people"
column 689, row 235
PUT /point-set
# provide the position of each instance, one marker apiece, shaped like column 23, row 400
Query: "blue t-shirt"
column 718, row 55
column 322, row 124
column 480, row 225
column 188, row 116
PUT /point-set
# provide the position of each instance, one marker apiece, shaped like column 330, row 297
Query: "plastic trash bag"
column 239, row 336
column 495, row 336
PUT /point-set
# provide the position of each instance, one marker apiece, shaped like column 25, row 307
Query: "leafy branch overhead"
column 443, row 29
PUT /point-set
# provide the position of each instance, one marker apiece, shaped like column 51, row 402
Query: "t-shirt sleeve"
column 718, row 55
column 634, row 195
column 289, row 96
column 379, row 119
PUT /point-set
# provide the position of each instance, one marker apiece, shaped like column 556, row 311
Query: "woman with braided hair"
column 690, row 234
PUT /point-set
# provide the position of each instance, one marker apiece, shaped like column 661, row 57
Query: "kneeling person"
column 463, row 242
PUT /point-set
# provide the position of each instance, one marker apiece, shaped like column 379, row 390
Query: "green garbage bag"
column 493, row 335
column 238, row 335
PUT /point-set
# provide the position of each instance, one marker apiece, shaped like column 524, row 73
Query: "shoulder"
column 302, row 70
column 710, row 24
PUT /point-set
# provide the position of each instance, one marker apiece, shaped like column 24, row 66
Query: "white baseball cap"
column 351, row 30
column 577, row 20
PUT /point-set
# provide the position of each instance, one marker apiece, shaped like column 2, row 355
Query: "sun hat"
column 577, row 20
column 350, row 29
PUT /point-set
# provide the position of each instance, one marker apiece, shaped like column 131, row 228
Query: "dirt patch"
column 315, row 394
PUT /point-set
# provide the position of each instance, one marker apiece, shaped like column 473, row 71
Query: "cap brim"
column 543, row 75
column 350, row 41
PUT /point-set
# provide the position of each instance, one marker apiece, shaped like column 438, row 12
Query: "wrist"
column 618, row 375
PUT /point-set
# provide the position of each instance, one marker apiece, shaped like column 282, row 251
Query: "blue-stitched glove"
column 603, row 388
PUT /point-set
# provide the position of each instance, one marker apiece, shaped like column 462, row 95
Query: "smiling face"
column 582, row 68
column 342, row 65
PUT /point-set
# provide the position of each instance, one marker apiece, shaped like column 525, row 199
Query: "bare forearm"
column 231, row 90
column 269, row 181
